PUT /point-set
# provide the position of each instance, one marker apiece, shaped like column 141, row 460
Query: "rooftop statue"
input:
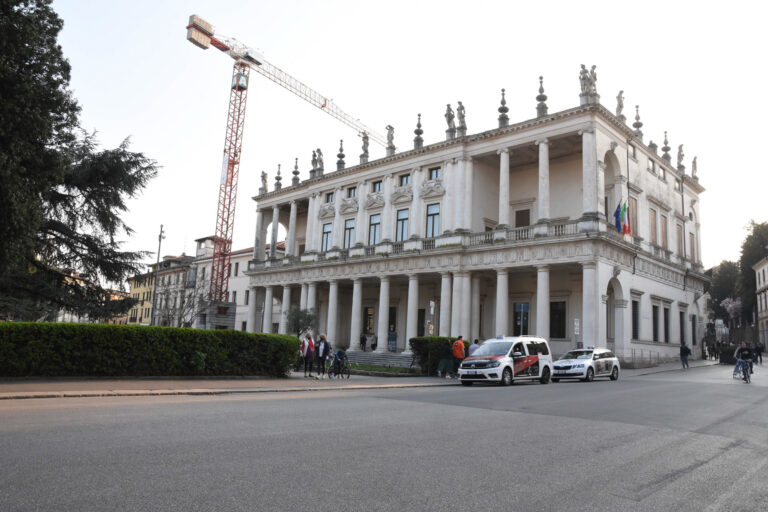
column 264, row 185
column 314, row 159
column 365, row 143
column 680, row 155
column 593, row 80
column 449, row 117
column 390, row 135
column 460, row 114
column 584, row 79
column 619, row 103
column 320, row 164
column 694, row 166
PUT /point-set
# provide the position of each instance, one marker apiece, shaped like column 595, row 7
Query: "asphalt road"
column 679, row 441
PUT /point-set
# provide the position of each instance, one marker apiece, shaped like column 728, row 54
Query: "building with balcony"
column 761, row 289
column 141, row 288
column 172, row 306
column 507, row 231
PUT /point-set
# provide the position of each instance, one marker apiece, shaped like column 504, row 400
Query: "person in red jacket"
column 458, row 355
column 308, row 352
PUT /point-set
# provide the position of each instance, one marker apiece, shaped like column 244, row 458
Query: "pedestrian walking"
column 363, row 341
column 759, row 354
column 445, row 360
column 308, row 351
column 474, row 346
column 374, row 342
column 322, row 352
column 684, row 353
column 458, row 355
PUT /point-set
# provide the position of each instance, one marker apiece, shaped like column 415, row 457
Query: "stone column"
column 284, row 308
column 275, row 227
column 267, row 327
column 456, row 304
column 360, row 227
column 457, row 184
column 469, row 175
column 356, row 322
column 542, row 301
column 303, row 297
column 333, row 304
column 475, row 326
column 589, row 180
column 541, row 227
column 312, row 296
column 589, row 304
column 387, row 215
column 445, row 304
column 412, row 315
column 465, row 325
column 383, row 325
column 503, row 188
column 448, row 212
column 258, row 255
column 309, row 243
column 601, row 213
column 502, row 302
column 417, row 222
column 338, row 228
column 251, row 325
column 290, row 246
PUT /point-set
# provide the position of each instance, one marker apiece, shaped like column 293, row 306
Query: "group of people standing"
column 451, row 356
column 317, row 353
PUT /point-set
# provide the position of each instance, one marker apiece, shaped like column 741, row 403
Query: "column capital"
column 503, row 150
column 292, row 203
column 413, row 277
column 357, row 280
column 446, row 274
column 586, row 130
column 502, row 271
column 384, row 279
column 588, row 265
column 543, row 268
column 543, row 141
column 333, row 281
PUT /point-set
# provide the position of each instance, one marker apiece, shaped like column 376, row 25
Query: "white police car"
column 508, row 359
column 586, row 364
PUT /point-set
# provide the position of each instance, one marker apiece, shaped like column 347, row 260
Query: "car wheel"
column 545, row 375
column 615, row 373
column 466, row 383
column 590, row 375
column 555, row 380
column 506, row 377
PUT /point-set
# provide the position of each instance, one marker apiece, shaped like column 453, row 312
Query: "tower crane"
column 201, row 34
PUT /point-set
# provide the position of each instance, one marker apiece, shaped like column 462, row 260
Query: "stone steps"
column 387, row 359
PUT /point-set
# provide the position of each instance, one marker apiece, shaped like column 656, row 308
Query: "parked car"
column 507, row 359
column 587, row 364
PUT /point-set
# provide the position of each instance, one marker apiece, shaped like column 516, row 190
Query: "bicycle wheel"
column 345, row 373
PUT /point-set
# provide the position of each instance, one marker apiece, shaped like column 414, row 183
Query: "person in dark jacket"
column 308, row 351
column 684, row 353
column 322, row 353
column 446, row 360
column 744, row 353
column 363, row 341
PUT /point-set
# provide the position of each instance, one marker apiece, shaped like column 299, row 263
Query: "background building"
column 761, row 282
column 141, row 288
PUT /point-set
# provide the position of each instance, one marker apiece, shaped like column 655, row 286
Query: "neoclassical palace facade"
column 509, row 231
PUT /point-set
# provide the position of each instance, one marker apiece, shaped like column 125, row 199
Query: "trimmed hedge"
column 80, row 350
column 427, row 351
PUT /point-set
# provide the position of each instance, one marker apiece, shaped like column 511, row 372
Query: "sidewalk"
column 96, row 387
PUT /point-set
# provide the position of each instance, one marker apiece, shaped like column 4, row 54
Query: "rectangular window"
column 329, row 197
column 666, row 325
column 376, row 186
column 682, row 327
column 402, row 226
column 633, row 214
column 234, row 297
column 652, row 166
column 435, row 173
column 247, row 296
column 352, row 192
column 349, row 233
column 374, row 230
column 368, row 321
column 663, row 174
column 631, row 150
column 325, row 243
column 680, row 240
column 664, row 242
column 243, row 326
column 655, row 318
column 405, row 179
column 237, row 267
column 652, row 225
column 557, row 319
column 692, row 239
column 433, row 220
column 522, row 218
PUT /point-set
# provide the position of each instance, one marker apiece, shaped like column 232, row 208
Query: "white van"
column 507, row 359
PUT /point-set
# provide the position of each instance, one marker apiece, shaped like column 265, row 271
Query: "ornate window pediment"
column 327, row 210
column 402, row 194
column 374, row 200
column 348, row 205
column 432, row 188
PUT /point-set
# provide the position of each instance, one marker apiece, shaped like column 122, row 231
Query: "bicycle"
column 742, row 365
column 343, row 371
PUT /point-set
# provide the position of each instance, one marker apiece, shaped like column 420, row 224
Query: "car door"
column 601, row 364
column 528, row 366
column 520, row 360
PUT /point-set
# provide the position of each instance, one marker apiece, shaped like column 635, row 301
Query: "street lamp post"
column 157, row 270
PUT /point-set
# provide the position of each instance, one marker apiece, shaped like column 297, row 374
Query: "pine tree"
column 60, row 196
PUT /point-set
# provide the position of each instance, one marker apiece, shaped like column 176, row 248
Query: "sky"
column 695, row 69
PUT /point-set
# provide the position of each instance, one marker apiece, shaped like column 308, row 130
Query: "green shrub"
column 70, row 350
column 427, row 351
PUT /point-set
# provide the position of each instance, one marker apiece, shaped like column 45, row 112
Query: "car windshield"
column 578, row 354
column 493, row 348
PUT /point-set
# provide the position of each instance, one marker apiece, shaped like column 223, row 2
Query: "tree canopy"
column 753, row 249
column 61, row 197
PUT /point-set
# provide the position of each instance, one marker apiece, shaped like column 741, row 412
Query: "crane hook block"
column 199, row 32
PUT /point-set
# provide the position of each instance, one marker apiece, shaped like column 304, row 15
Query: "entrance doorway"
column 520, row 326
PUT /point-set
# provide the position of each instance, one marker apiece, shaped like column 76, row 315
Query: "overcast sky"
column 697, row 72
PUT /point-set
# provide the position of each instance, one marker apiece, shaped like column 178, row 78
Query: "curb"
column 201, row 392
column 674, row 369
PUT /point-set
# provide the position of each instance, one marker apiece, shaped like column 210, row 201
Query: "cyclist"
column 744, row 356
column 341, row 355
